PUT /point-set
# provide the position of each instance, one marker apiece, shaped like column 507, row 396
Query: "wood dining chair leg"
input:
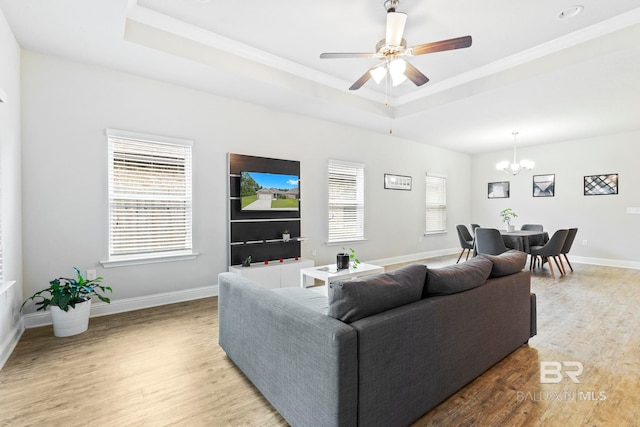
column 550, row 268
column 564, row 269
column 468, row 252
column 558, row 264
column 568, row 263
column 461, row 253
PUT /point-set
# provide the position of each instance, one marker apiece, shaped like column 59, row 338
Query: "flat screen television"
column 261, row 191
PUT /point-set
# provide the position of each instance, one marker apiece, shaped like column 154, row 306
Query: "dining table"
column 522, row 240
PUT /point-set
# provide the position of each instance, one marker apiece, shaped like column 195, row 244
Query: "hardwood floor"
column 163, row 366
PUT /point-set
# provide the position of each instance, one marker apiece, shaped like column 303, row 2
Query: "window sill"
column 346, row 242
column 147, row 259
column 431, row 233
column 4, row 286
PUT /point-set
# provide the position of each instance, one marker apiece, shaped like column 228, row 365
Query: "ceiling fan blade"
column 347, row 55
column 442, row 45
column 395, row 28
column 415, row 75
column 362, row 80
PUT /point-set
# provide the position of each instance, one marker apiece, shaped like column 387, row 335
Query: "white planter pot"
column 511, row 228
column 286, row 237
column 72, row 322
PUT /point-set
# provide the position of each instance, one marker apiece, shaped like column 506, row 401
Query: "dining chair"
column 473, row 228
column 567, row 245
column 551, row 250
column 532, row 227
column 466, row 240
column 489, row 241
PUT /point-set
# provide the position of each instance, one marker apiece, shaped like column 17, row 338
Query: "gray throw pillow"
column 457, row 278
column 351, row 300
column 506, row 263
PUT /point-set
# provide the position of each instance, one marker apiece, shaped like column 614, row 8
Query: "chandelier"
column 515, row 168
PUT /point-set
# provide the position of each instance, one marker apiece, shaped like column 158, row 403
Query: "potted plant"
column 507, row 215
column 352, row 257
column 70, row 302
column 286, row 236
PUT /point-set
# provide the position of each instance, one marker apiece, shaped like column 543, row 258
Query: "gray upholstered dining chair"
column 473, row 228
column 532, row 227
column 567, row 246
column 466, row 240
column 551, row 250
column 489, row 241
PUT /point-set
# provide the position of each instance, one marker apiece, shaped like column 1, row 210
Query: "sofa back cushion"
column 457, row 278
column 506, row 263
column 351, row 300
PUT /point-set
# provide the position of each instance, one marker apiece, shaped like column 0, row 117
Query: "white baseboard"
column 634, row 265
column 11, row 342
column 414, row 257
column 39, row 318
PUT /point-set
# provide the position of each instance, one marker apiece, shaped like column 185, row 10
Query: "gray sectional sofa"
column 381, row 351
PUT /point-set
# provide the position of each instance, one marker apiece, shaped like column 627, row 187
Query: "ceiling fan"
column 392, row 50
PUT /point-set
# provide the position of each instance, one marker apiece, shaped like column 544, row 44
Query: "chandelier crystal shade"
column 516, row 167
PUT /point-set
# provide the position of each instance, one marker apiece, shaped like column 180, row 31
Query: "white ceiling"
column 527, row 71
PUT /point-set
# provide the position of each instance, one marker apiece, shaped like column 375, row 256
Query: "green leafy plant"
column 64, row 293
column 507, row 215
column 352, row 257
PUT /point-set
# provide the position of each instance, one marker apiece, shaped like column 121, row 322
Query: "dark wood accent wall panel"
column 259, row 233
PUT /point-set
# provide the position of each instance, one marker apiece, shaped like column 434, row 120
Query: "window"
column 436, row 207
column 346, row 201
column 149, row 197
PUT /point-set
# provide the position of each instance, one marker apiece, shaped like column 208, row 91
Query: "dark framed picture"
column 544, row 185
column 599, row 185
column 498, row 190
column 397, row 182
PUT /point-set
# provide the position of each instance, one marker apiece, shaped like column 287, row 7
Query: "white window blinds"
column 346, row 201
column 149, row 196
column 436, row 206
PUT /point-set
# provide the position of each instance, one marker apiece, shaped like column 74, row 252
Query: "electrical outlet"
column 584, row 242
column 91, row 275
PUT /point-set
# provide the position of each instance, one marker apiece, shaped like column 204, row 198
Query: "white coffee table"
column 329, row 273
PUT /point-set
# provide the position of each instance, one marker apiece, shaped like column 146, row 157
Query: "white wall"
column 610, row 232
column 67, row 106
column 10, row 197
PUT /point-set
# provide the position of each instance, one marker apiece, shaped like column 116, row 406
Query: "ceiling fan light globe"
column 378, row 73
column 396, row 70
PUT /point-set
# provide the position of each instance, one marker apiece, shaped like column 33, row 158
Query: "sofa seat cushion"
column 351, row 300
column 506, row 263
column 457, row 278
column 308, row 297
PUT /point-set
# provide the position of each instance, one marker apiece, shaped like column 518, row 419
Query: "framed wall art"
column 397, row 182
column 498, row 190
column 598, row 185
column 544, row 185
